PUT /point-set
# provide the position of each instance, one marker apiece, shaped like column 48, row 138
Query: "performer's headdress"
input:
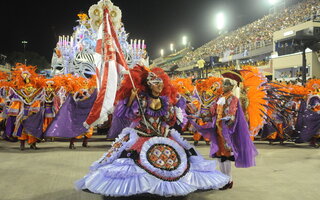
column 183, row 85
column 234, row 76
column 18, row 75
column 142, row 77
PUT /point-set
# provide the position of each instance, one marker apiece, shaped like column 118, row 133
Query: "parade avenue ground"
column 283, row 172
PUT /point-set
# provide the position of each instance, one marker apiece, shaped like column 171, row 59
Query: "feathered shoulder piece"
column 313, row 86
column 92, row 82
column 183, row 85
column 254, row 96
column 211, row 85
column 299, row 90
column 252, row 76
column 66, row 81
column 4, row 80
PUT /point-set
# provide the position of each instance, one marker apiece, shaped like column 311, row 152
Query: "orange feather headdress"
column 211, row 85
column 313, row 86
column 183, row 85
column 22, row 72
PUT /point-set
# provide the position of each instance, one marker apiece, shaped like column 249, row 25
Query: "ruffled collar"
column 160, row 112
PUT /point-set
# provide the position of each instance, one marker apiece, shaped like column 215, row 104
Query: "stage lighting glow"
column 220, row 21
column 184, row 40
column 161, row 52
column 272, row 2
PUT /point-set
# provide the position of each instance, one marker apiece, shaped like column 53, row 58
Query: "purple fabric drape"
column 68, row 123
column 239, row 138
column 236, row 136
column 34, row 123
column 182, row 103
column 299, row 122
column 10, row 125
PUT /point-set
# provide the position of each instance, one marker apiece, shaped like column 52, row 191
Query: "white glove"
column 179, row 114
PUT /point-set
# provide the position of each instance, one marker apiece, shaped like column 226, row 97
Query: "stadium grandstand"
column 260, row 43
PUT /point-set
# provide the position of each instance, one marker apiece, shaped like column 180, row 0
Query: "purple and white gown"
column 149, row 157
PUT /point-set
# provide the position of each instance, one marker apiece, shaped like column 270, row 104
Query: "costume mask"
column 153, row 79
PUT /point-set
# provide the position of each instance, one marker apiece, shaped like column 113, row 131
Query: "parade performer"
column 273, row 128
column 188, row 104
column 5, row 84
column 25, row 111
column 50, row 89
column 207, row 92
column 68, row 121
column 308, row 126
column 88, row 87
column 229, row 133
column 185, row 90
column 279, row 115
column 149, row 156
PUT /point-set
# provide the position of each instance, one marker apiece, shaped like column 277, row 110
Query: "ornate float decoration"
column 75, row 54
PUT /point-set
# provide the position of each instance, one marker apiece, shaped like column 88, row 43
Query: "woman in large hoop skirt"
column 150, row 156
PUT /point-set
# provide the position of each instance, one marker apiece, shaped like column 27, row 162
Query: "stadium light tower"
column 220, row 21
column 171, row 47
column 184, row 41
column 161, row 52
column 273, row 2
column 277, row 5
column 24, row 43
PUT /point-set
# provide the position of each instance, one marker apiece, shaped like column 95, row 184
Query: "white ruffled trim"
column 123, row 177
column 120, row 178
column 117, row 152
column 180, row 140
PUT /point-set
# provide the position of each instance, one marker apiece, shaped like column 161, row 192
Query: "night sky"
column 158, row 22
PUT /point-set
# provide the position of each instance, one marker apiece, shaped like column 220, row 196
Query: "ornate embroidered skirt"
column 159, row 165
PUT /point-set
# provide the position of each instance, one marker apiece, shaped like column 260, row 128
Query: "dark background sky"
column 159, row 22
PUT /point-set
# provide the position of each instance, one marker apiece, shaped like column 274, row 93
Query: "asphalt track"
column 284, row 172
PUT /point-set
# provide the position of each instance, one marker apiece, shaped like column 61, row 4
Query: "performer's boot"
column 195, row 143
column 85, row 142
column 71, row 146
column 22, row 145
column 228, row 186
column 225, row 168
column 34, row 146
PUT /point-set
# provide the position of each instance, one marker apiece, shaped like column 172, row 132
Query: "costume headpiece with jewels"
column 139, row 75
column 19, row 79
column 211, row 85
column 50, row 82
column 25, row 72
column 153, row 79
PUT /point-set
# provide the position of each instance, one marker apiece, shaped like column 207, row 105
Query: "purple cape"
column 34, row 123
column 10, row 125
column 307, row 124
column 119, row 120
column 68, row 123
column 237, row 137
